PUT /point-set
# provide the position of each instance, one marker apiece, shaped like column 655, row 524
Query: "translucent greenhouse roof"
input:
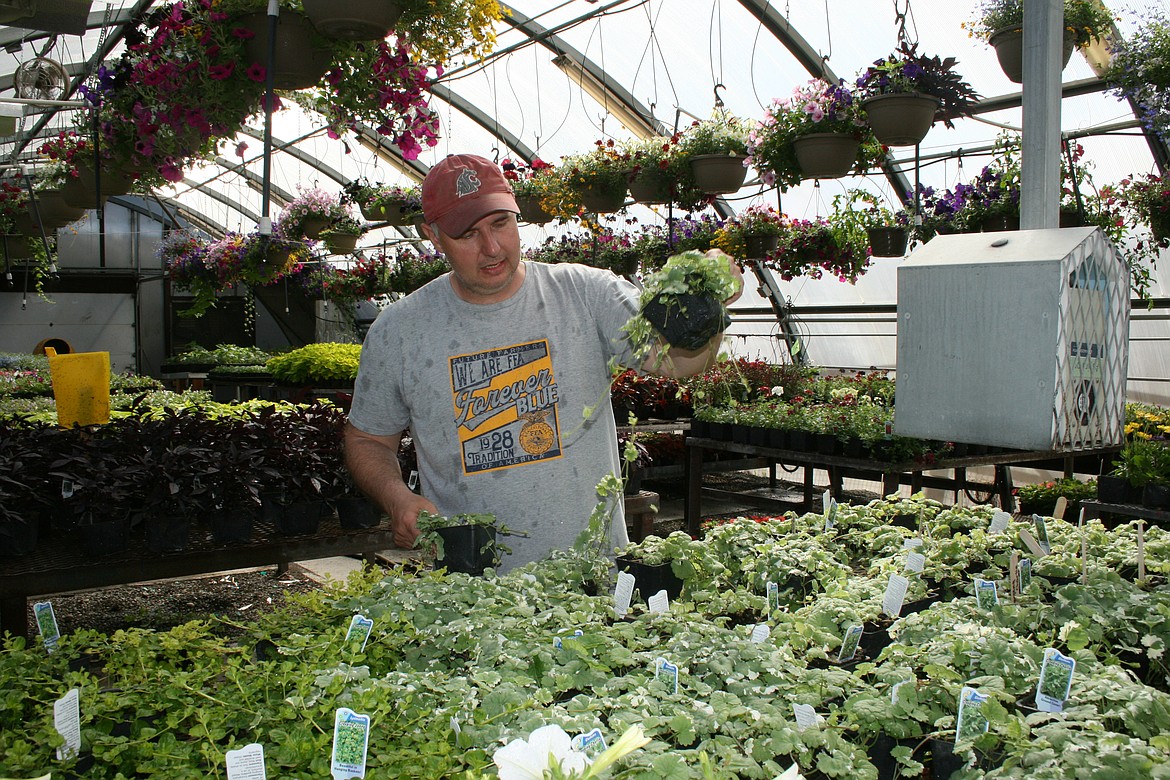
column 666, row 63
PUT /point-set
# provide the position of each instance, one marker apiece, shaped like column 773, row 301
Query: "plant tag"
column 792, row 772
column 359, row 629
column 1056, row 675
column 1042, row 533
column 971, row 721
column 412, row 481
column 1014, row 575
column 66, row 488
column 913, row 543
column 999, row 522
column 558, row 644
column 664, row 668
column 849, row 643
column 895, row 594
column 1141, row 548
column 760, row 633
column 351, row 738
column 47, row 624
column 1024, row 574
column 806, row 716
column 247, row 763
column 830, row 505
column 773, row 591
column 986, row 594
column 658, row 603
column 915, row 562
column 1060, row 508
column 896, row 687
column 1031, row 543
column 623, row 593
column 67, row 722
column 591, row 743
column 455, row 727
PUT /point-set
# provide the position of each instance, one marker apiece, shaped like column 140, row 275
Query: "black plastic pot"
column 879, row 755
column 1111, row 489
column 467, row 548
column 230, row 527
column 167, row 534
column 1156, row 496
column 649, row 579
column 299, row 517
column 105, row 537
column 685, row 320
column 357, row 512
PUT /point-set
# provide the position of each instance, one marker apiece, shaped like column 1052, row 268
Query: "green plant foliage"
column 316, row 364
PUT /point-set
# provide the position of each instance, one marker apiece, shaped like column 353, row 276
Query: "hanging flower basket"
column 16, row 245
column 299, row 63
column 887, row 241
column 825, row 155
column 719, row 174
column 393, row 213
column 1009, row 50
column 531, row 211
column 312, row 227
column 603, row 201
column 900, row 119
column 760, row 244
column 54, row 211
column 1160, row 226
column 353, row 20
column 79, row 191
column 341, row 243
column 650, row 186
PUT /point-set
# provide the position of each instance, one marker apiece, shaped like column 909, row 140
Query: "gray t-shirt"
column 495, row 395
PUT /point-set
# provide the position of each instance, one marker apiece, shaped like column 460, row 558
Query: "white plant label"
column 849, row 643
column 1056, row 675
column 986, row 594
column 66, row 488
column 1031, row 543
column 1060, row 508
column 247, row 763
column 591, row 743
column 912, row 543
column 455, row 727
column 47, row 624
column 623, row 593
column 664, row 668
column 1141, row 548
column 806, row 716
column 999, row 522
column 773, row 591
column 351, row 739
column 360, row 627
column 894, row 596
column 67, row 722
column 971, row 721
column 830, row 505
column 1042, row 533
column 1024, row 574
column 658, row 604
column 915, row 562
column 760, row 633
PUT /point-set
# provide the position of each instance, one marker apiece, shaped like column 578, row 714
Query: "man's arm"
column 373, row 463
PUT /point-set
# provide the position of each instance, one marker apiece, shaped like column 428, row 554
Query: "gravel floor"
column 163, row 604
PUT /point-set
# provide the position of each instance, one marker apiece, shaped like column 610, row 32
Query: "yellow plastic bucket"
column 81, row 387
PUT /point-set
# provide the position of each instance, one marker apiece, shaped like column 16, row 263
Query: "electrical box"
column 1015, row 339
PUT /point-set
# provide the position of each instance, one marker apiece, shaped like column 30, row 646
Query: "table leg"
column 1003, row 479
column 891, row 483
column 693, row 474
column 809, row 472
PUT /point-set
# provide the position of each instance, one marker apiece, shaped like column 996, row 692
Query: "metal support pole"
column 1040, row 174
column 269, row 99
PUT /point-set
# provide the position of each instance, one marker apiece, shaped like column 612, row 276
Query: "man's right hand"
column 404, row 517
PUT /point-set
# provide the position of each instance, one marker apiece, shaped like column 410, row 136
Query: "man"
column 491, row 367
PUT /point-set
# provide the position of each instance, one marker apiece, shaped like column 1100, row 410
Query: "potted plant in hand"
column 712, row 156
column 903, row 93
column 464, row 543
column 683, row 302
column 817, row 133
column 1001, row 24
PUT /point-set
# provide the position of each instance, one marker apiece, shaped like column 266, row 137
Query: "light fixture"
column 641, row 126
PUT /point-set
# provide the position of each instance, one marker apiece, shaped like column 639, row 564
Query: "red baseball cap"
column 461, row 190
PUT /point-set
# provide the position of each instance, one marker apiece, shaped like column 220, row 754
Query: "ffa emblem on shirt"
column 537, row 436
column 467, row 183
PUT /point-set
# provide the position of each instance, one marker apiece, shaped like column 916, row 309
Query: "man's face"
column 485, row 261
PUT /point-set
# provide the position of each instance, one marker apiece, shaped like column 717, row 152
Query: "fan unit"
column 11, row 10
column 40, row 79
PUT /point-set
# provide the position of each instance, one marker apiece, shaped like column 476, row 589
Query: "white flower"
column 547, row 746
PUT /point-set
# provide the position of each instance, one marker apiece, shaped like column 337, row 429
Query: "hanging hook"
column 718, row 99
column 496, row 155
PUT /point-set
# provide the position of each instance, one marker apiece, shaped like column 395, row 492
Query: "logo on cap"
column 467, row 183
